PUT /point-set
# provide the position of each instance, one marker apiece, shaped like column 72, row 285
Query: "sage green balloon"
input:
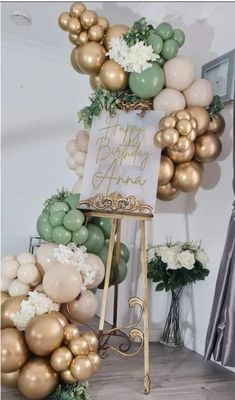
column 59, row 206
column 61, row 235
column 44, row 217
column 179, row 36
column 103, row 254
column 80, row 236
column 104, row 224
column 45, row 230
column 170, row 49
column 147, row 83
column 161, row 61
column 95, row 240
column 164, row 30
column 72, row 200
column 156, row 42
column 73, row 220
column 122, row 272
column 56, row 218
column 124, row 251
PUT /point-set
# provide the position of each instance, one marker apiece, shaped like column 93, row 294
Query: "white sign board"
column 122, row 156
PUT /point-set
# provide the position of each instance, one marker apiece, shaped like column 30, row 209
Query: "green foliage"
column 215, row 107
column 76, row 391
column 61, row 195
column 139, row 31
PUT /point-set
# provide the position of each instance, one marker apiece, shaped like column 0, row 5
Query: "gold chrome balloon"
column 95, row 360
column 157, row 140
column 91, row 57
column 167, row 192
column 70, row 331
column 183, row 126
column 166, row 170
column 113, row 77
column 95, row 82
column 74, row 59
column 217, row 125
column 10, row 379
column 78, row 346
column 44, row 334
column 8, row 309
column 92, row 341
column 179, row 157
column 95, row 33
column 183, row 144
column 14, row 352
column 168, row 122
column 67, row 377
column 76, row 9
column 102, row 21
column 182, row 114
column 73, row 37
column 115, row 31
column 37, row 380
column 88, row 18
column 81, row 368
column 201, row 116
column 60, row 317
column 63, row 21
column 187, row 176
column 4, row 297
column 82, row 38
column 61, row 359
column 207, row 147
column 74, row 26
column 169, row 137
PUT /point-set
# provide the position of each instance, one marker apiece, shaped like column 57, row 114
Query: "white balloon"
column 179, row 73
column 80, row 157
column 71, row 162
column 77, row 186
column 26, row 258
column 17, row 288
column 45, row 256
column 169, row 100
column 7, row 258
column 98, row 266
column 71, row 146
column 85, row 308
column 82, row 140
column 10, row 268
column 5, row 283
column 80, row 171
column 200, row 93
column 27, row 273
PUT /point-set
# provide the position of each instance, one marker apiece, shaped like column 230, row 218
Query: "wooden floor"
column 176, row 374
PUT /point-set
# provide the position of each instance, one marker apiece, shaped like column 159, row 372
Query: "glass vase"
column 171, row 333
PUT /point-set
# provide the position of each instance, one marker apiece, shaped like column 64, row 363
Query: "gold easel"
column 119, row 208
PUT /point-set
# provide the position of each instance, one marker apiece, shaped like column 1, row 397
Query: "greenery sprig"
column 76, row 391
column 215, row 107
column 139, row 31
column 61, row 195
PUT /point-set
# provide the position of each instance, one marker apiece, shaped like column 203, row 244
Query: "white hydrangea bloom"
column 202, row 256
column 186, row 259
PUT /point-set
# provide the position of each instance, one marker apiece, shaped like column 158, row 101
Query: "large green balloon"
column 122, row 272
column 164, row 30
column 44, row 229
column 61, row 235
column 147, row 83
column 104, row 224
column 56, row 218
column 124, row 251
column 170, row 49
column 156, row 42
column 72, row 200
column 73, row 220
column 103, row 254
column 179, row 36
column 59, row 206
column 80, row 236
column 95, row 240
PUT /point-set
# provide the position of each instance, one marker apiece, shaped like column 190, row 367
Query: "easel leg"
column 145, row 305
column 116, row 274
column 107, row 277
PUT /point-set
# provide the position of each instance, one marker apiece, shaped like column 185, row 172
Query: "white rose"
column 186, row 259
column 201, row 256
column 169, row 256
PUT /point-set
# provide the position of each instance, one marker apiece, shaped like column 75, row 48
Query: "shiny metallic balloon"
column 113, row 77
column 67, row 377
column 95, row 360
column 207, row 147
column 63, row 20
column 70, row 331
column 217, row 125
column 76, row 9
column 167, row 192
column 92, row 341
column 95, row 82
column 178, row 157
column 61, row 359
column 95, row 33
column 78, row 346
column 8, row 308
column 201, row 116
column 102, row 21
column 81, row 368
column 115, row 31
column 88, row 18
column 166, row 170
column 187, row 176
column 14, row 351
column 91, row 57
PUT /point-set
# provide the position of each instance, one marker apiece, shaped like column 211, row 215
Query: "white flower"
column 150, row 254
column 202, row 256
column 186, row 259
column 169, row 256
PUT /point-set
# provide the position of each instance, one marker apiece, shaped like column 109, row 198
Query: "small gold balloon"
column 14, row 352
column 78, row 346
column 167, row 192
column 95, row 360
column 217, row 125
column 179, row 157
column 81, row 368
column 67, row 377
column 201, row 116
column 8, row 309
column 207, row 147
column 73, row 37
column 60, row 317
column 82, row 38
column 88, row 18
column 169, row 137
column 95, row 82
column 183, row 144
column 166, row 170
column 115, row 31
column 182, row 114
column 95, row 33
column 70, row 331
column 74, row 59
column 113, row 76
column 4, row 297
column 157, row 140
column 74, row 26
column 168, row 122
column 61, row 359
column 91, row 57
column 102, row 21
column 187, row 176
column 91, row 340
column 37, row 379
column 10, row 379
column 183, row 126
column 76, row 9
column 192, row 135
column 44, row 334
column 63, row 21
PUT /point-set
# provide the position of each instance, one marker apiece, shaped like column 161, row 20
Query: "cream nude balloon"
column 179, row 73
column 71, row 146
column 77, row 186
column 17, row 288
column 45, row 256
column 80, row 157
column 27, row 273
column 71, row 163
column 85, row 308
column 82, row 140
column 98, row 266
column 200, row 93
column 26, row 258
column 5, row 283
column 169, row 100
column 80, row 171
column 9, row 269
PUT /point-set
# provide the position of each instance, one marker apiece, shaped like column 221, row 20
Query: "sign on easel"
column 122, row 157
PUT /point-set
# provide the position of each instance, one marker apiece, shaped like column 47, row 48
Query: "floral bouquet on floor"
column 172, row 266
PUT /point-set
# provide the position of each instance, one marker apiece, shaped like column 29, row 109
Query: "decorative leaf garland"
column 76, row 391
column 139, row 31
column 60, row 196
column 215, row 107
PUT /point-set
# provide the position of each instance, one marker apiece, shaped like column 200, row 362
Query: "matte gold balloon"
column 95, row 82
column 44, row 334
column 63, row 21
column 167, row 192
column 187, row 176
column 82, row 38
column 217, row 125
column 157, row 140
column 61, row 359
column 115, row 31
column 4, row 297
column 81, row 368
column 8, row 309
column 179, row 157
column 37, row 379
column 74, row 59
column 183, row 144
column 95, row 360
column 170, row 137
column 168, row 122
column 201, row 116
column 70, row 331
column 113, row 76
column 88, row 18
column 183, row 126
column 67, row 377
column 91, row 57
column 14, row 352
column 78, row 346
column 95, row 33
column 91, row 340
column 166, row 170
column 74, row 26
column 76, row 9
column 207, row 147
column 60, row 317
column 102, row 21
column 10, row 379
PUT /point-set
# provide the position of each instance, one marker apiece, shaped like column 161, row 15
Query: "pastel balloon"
column 164, row 30
column 28, row 273
column 73, row 200
column 14, row 352
column 156, row 42
column 71, row 163
column 170, row 49
column 169, row 100
column 45, row 256
column 104, row 224
column 207, row 147
column 199, row 93
column 80, row 171
column 179, row 73
column 56, row 218
column 121, row 271
column 62, row 283
column 26, row 258
column 80, row 157
column 17, row 288
column 179, row 36
column 77, row 186
column 167, row 192
column 187, row 176
column 85, row 308
column 73, row 220
column 80, row 236
column 95, row 240
column 166, row 170
column 5, row 283
column 82, row 139
column 98, row 266
column 9, row 269
column 147, row 83
column 59, row 206
column 61, row 235
column 44, row 230
column 9, row 308
column 72, row 146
